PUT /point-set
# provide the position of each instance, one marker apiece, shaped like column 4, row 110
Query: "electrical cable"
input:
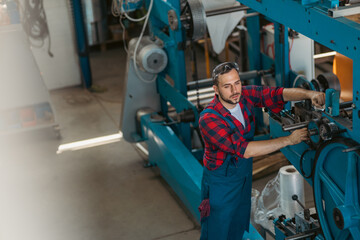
column 115, row 9
column 118, row 11
column 35, row 24
column 135, row 19
column 138, row 43
column 123, row 35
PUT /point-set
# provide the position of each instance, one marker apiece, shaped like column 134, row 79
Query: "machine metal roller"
column 193, row 17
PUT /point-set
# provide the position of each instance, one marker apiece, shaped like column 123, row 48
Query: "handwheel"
column 336, row 189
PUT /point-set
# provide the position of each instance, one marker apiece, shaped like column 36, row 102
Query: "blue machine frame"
column 339, row 34
column 332, row 194
column 170, row 146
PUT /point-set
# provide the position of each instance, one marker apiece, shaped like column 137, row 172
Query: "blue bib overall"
column 227, row 190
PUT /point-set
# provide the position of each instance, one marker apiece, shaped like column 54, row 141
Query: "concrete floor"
column 97, row 193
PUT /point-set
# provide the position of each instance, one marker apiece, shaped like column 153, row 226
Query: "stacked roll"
column 291, row 183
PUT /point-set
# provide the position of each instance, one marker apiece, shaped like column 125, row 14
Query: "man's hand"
column 298, row 136
column 317, row 99
column 296, row 94
column 260, row 148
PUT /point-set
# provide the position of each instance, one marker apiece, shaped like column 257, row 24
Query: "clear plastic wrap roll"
column 291, row 182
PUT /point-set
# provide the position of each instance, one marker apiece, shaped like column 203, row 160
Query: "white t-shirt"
column 237, row 113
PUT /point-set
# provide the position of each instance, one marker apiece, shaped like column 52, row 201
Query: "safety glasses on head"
column 224, row 68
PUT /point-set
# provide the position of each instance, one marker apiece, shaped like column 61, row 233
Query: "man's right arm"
column 259, row 148
column 296, row 94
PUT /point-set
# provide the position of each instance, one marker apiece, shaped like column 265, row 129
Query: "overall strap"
column 230, row 158
column 247, row 110
column 250, row 135
column 228, row 121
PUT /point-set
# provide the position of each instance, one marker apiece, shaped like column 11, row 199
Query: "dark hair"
column 222, row 69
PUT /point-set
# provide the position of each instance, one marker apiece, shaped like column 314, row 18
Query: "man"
column 227, row 127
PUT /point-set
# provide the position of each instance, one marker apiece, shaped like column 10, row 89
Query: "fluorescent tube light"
column 92, row 142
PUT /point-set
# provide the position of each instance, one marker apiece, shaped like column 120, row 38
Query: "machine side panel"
column 177, row 165
column 137, row 94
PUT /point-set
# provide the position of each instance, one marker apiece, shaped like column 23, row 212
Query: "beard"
column 229, row 100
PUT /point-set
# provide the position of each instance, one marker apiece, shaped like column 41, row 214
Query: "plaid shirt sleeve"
column 261, row 96
column 218, row 135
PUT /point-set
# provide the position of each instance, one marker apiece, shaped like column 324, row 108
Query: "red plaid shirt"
column 217, row 135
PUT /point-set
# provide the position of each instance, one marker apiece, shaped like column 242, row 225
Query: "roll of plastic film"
column 254, row 200
column 221, row 26
column 291, row 182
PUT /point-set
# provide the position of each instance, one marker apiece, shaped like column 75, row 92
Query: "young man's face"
column 229, row 88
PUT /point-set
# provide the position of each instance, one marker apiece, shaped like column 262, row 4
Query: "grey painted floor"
column 97, row 193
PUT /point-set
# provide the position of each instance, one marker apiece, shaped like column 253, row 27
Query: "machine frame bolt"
column 338, row 218
column 173, row 20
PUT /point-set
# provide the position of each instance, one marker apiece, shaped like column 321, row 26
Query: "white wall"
column 301, row 55
column 20, row 78
column 63, row 69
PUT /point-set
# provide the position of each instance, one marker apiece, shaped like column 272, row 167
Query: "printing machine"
column 156, row 108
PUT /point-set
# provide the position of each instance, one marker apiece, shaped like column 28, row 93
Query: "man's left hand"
column 318, row 99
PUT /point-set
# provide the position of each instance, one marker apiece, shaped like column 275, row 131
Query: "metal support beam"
column 313, row 21
column 81, row 42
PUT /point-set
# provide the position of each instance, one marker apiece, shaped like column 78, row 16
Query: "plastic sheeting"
column 221, row 26
column 271, row 202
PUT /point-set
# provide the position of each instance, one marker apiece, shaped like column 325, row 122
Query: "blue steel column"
column 281, row 55
column 174, row 44
column 253, row 29
column 356, row 99
column 81, row 42
column 254, row 55
column 180, row 74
